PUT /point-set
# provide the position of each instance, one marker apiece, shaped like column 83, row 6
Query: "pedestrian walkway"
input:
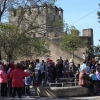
column 34, row 97
column 45, row 98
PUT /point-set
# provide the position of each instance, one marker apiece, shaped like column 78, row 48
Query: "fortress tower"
column 88, row 33
column 43, row 20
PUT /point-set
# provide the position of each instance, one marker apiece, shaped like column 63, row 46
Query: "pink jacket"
column 3, row 77
column 17, row 75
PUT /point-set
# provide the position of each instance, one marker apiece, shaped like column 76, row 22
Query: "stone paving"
column 34, row 97
column 45, row 98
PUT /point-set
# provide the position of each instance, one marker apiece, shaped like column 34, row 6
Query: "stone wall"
column 56, row 92
column 45, row 17
column 56, row 52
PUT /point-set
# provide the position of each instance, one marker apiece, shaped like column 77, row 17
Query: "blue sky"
column 82, row 14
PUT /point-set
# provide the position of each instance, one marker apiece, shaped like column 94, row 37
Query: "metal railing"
column 62, row 81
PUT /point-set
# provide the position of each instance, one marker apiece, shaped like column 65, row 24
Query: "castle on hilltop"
column 46, row 21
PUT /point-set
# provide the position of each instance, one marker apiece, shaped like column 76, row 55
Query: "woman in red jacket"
column 3, row 82
column 17, row 75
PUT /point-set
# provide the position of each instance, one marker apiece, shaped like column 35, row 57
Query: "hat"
column 49, row 60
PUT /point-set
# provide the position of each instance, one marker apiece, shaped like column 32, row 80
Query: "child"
column 27, row 84
column 3, row 82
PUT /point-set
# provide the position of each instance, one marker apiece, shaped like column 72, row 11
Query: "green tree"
column 71, row 41
column 6, row 5
column 90, row 50
column 98, row 13
column 97, row 50
column 16, row 44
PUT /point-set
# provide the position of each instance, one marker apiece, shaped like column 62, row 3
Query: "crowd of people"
column 18, row 77
column 89, row 75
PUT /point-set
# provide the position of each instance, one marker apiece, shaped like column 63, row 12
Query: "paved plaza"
column 46, row 98
column 34, row 97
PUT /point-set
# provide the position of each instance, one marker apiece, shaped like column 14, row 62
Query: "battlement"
column 47, row 9
column 41, row 15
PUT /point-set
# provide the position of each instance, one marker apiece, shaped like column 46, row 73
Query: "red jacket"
column 3, row 77
column 17, row 75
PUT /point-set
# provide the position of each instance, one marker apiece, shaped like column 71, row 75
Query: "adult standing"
column 3, row 82
column 43, row 69
column 31, row 69
column 93, row 62
column 38, row 70
column 84, row 56
column 88, row 70
column 66, row 68
column 72, row 66
column 58, row 69
column 51, row 73
column 17, row 76
column 83, row 65
column 61, row 63
column 9, row 69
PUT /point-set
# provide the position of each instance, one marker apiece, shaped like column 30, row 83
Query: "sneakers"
column 27, row 96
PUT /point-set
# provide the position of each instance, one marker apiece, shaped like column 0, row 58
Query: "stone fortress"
column 44, row 20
